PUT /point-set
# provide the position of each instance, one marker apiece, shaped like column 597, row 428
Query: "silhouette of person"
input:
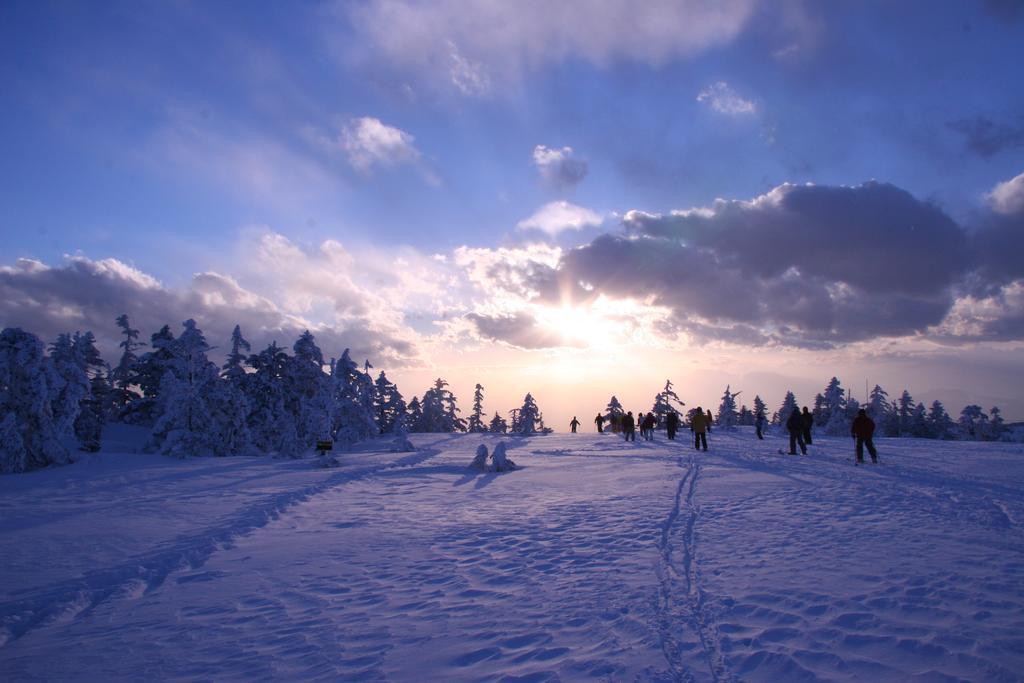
column 795, row 425
column 862, row 430
column 574, row 424
column 672, row 424
column 808, row 424
column 649, row 423
column 759, row 426
column 629, row 426
column 710, row 420
column 599, row 421
column 699, row 427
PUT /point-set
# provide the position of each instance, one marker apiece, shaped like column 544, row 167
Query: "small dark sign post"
column 324, row 446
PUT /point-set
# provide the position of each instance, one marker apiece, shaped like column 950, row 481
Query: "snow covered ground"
column 596, row 560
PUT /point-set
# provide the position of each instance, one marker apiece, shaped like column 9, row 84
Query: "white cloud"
column 722, row 98
column 368, row 143
column 559, row 167
column 471, row 44
column 1008, row 197
column 554, row 217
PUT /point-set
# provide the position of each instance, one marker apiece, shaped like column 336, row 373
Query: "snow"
column 594, row 559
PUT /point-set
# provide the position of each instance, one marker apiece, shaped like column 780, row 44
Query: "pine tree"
column 787, row 407
column 233, row 370
column 389, row 404
column 996, row 424
column 123, row 377
column 271, row 426
column 663, row 403
column 727, row 417
column 919, row 421
column 746, row 418
column 940, row 424
column 513, row 421
column 415, row 415
column 879, row 411
column 838, row 423
column 148, row 375
column 440, row 410
column 972, row 422
column 498, row 425
column 29, row 387
column 759, row 409
column 71, row 388
column 904, row 413
column 820, row 411
column 613, row 411
column 476, row 422
column 529, row 419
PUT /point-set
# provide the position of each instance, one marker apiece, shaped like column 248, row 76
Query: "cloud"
column 519, row 329
column 84, row 294
column 1008, row 197
column 559, row 168
column 986, row 137
column 723, row 99
column 469, row 46
column 369, row 143
column 555, row 217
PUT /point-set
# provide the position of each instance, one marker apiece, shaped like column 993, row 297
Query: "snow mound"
column 480, row 461
column 499, row 461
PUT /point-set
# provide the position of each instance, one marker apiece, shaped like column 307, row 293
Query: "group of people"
column 799, row 425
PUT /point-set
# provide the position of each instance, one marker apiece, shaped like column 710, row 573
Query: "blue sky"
column 174, row 138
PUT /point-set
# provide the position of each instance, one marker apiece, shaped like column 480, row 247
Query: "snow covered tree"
column 787, row 407
column 940, row 425
column 972, row 422
column 614, row 410
column 996, row 424
column 745, row 417
column 29, row 387
column 838, row 423
column 727, row 416
column 271, row 425
column 919, row 421
column 149, row 373
column 389, row 405
column 233, row 369
column 123, row 377
column 498, row 425
column 760, row 409
column 476, row 421
column 904, row 413
column 440, row 410
column 415, row 415
column 878, row 409
column 513, row 420
column 529, row 420
column 184, row 416
column 819, row 411
column 665, row 402
column 72, row 386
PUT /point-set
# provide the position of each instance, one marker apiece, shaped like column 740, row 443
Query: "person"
column 615, row 420
column 808, row 424
column 574, row 424
column 672, row 424
column 629, row 426
column 795, row 425
column 862, row 429
column 759, row 426
column 599, row 421
column 699, row 427
column 709, row 420
column 649, row 423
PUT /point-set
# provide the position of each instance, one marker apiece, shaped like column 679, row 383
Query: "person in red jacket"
column 862, row 430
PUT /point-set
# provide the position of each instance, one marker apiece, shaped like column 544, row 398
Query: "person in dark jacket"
column 599, row 421
column 710, row 420
column 672, row 424
column 808, row 424
column 629, row 426
column 649, row 423
column 759, row 426
column 795, row 426
column 863, row 429
column 574, row 424
column 699, row 427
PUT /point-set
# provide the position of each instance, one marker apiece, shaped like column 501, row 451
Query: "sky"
column 574, row 199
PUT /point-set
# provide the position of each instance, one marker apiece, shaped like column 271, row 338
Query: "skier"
column 629, row 426
column 759, row 426
column 699, row 427
column 795, row 425
column 599, row 421
column 574, row 424
column 808, row 423
column 672, row 424
column 710, row 420
column 649, row 422
column 862, row 429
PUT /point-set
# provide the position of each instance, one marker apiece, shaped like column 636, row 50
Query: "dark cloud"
column 518, row 329
column 560, row 168
column 88, row 295
column 807, row 266
column 986, row 137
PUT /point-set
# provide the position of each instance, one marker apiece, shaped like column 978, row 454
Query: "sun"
column 578, row 326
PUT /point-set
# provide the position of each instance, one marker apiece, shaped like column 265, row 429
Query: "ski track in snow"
column 68, row 601
column 596, row 560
